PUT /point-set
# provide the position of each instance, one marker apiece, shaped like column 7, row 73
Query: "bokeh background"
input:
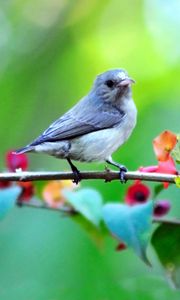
column 50, row 52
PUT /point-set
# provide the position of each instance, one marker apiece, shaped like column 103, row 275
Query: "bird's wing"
column 81, row 120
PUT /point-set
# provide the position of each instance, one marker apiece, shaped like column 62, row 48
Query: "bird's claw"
column 122, row 171
column 77, row 177
column 107, row 169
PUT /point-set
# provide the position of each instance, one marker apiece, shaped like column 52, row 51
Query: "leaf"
column 53, row 192
column 8, row 199
column 88, row 202
column 157, row 190
column 176, row 152
column 163, row 144
column 96, row 234
column 39, row 185
column 166, row 242
column 130, row 224
column 177, row 181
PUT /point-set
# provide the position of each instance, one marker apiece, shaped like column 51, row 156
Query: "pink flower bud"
column 161, row 208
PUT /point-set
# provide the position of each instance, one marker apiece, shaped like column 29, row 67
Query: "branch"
column 68, row 210
column 107, row 175
column 166, row 221
column 34, row 203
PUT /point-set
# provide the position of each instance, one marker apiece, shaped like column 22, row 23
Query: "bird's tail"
column 28, row 148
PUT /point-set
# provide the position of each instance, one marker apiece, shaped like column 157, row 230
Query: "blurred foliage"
column 132, row 225
column 166, row 241
column 50, row 53
column 176, row 152
column 88, row 202
column 8, row 197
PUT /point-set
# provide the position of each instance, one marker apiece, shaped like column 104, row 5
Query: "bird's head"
column 112, row 85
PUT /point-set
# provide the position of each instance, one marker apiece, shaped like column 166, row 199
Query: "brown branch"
column 106, row 175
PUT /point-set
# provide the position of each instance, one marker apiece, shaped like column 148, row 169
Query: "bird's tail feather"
column 24, row 149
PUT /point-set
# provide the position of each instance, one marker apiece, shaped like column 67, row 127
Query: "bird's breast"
column 99, row 145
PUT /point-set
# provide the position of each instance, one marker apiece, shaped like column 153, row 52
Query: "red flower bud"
column 16, row 161
column 27, row 191
column 121, row 246
column 4, row 184
column 167, row 167
column 137, row 193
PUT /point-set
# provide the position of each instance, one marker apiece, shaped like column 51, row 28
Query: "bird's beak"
column 126, row 81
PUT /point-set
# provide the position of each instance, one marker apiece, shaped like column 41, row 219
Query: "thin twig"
column 35, row 203
column 68, row 210
column 166, row 221
column 106, row 175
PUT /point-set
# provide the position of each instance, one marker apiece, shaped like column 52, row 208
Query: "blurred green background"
column 50, row 52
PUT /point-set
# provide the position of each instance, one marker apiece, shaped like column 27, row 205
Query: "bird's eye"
column 110, row 83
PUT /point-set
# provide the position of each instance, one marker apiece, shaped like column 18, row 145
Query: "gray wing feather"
column 83, row 118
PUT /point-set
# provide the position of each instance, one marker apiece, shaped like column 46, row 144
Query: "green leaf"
column 177, row 181
column 157, row 190
column 166, row 242
column 39, row 188
column 176, row 152
column 96, row 234
column 88, row 202
column 8, row 199
column 130, row 224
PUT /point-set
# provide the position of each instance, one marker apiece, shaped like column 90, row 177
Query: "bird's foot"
column 107, row 169
column 76, row 172
column 77, row 176
column 122, row 171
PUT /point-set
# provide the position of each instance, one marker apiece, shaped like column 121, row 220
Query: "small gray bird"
column 95, row 127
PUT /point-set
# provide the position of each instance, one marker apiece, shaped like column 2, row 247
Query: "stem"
column 166, row 221
column 71, row 211
column 34, row 203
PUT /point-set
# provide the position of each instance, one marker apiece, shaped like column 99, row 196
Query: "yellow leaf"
column 53, row 192
column 177, row 181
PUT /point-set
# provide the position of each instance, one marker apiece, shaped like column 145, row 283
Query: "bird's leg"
column 76, row 172
column 122, row 169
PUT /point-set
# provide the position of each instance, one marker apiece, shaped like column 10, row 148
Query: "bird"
column 95, row 127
